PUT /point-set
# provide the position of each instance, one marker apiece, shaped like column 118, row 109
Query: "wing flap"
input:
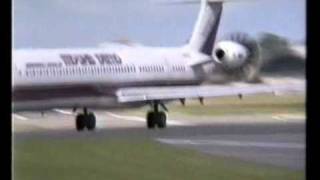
column 135, row 94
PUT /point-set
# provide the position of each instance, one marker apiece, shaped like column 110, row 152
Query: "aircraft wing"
column 138, row 94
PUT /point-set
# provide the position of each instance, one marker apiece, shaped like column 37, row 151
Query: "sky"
column 83, row 23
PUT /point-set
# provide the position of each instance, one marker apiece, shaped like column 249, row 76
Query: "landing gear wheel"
column 80, row 122
column 91, row 121
column 161, row 120
column 151, row 120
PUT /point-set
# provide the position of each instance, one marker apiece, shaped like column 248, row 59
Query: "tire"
column 80, row 122
column 150, row 120
column 162, row 120
column 91, row 121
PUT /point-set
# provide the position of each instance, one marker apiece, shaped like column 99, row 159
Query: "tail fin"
column 206, row 27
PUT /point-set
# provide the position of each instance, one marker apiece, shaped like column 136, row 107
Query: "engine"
column 238, row 57
column 230, row 54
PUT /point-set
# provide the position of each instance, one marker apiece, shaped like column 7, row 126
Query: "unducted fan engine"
column 239, row 57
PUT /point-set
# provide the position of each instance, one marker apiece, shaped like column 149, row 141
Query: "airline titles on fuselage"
column 87, row 59
column 93, row 64
column 80, row 59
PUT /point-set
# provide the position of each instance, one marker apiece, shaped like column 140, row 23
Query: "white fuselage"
column 89, row 77
column 100, row 66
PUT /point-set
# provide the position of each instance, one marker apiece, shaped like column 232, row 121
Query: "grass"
column 249, row 105
column 124, row 159
column 128, row 158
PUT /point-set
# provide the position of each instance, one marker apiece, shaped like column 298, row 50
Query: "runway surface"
column 277, row 140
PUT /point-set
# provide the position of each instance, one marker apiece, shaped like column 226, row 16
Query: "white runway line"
column 20, row 117
column 63, row 112
column 233, row 143
column 140, row 119
column 288, row 116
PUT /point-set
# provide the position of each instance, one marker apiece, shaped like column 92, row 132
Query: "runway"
column 277, row 140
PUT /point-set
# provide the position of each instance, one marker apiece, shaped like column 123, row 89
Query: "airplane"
column 121, row 76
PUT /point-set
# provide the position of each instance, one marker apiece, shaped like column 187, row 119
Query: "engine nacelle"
column 230, row 54
column 238, row 57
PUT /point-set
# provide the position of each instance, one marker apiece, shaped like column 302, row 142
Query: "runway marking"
column 140, row 119
column 20, row 117
column 233, row 143
column 63, row 112
column 288, row 116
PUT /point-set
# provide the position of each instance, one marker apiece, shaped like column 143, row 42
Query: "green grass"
column 79, row 159
column 249, row 105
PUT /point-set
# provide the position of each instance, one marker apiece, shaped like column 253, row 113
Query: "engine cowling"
column 239, row 57
column 230, row 54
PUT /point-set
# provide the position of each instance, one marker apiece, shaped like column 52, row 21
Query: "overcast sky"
column 87, row 23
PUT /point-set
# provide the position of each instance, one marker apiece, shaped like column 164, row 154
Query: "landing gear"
column 156, row 117
column 85, row 120
column 151, row 120
column 80, row 122
column 91, row 122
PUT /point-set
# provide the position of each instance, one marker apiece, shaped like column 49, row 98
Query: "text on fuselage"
column 87, row 59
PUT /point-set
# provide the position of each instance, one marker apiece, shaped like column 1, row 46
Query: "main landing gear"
column 156, row 117
column 85, row 120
